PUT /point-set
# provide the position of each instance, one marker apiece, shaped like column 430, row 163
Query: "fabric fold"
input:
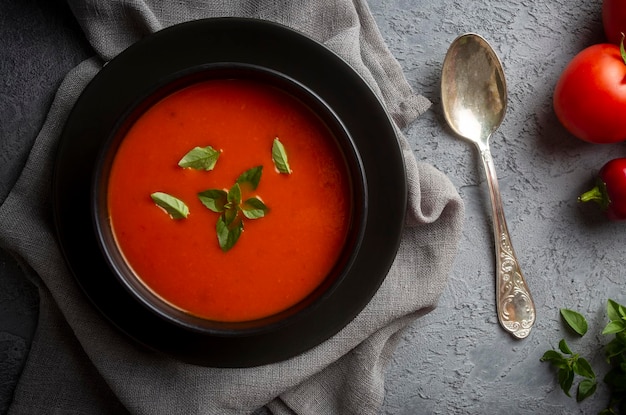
column 80, row 364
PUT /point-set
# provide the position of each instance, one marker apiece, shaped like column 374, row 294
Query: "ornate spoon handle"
column 514, row 304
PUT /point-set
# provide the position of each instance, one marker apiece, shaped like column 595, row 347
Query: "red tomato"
column 614, row 19
column 590, row 96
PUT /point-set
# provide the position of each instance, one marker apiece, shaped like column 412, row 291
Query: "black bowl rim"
column 238, row 40
column 171, row 84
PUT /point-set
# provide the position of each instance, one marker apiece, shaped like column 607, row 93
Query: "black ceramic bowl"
column 184, row 54
column 133, row 283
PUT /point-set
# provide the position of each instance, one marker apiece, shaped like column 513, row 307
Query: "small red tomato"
column 614, row 19
column 590, row 96
column 610, row 190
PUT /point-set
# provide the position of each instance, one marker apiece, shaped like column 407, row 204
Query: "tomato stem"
column 597, row 194
column 622, row 51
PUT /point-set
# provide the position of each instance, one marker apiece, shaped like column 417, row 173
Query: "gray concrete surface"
column 455, row 360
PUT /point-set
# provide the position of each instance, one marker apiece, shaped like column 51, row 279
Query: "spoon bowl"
column 474, row 93
column 474, row 98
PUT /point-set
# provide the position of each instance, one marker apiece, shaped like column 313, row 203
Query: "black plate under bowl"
column 247, row 41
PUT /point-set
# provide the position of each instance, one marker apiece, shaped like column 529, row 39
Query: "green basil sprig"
column 233, row 208
column 569, row 364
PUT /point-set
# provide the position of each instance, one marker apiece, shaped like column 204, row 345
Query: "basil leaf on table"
column 574, row 320
column 586, row 388
column 615, row 311
column 564, row 347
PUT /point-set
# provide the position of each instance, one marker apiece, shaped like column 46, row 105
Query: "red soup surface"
column 280, row 258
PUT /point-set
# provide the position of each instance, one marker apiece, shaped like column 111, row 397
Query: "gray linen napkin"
column 79, row 364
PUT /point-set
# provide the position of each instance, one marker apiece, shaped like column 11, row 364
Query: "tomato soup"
column 280, row 258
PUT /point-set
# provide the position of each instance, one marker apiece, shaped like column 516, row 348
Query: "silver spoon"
column 474, row 98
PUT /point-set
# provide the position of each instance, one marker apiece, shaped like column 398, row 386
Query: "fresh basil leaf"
column 615, row 311
column 214, row 199
column 228, row 234
column 200, row 158
column 575, row 321
column 612, row 309
column 614, row 348
column 234, row 195
column 175, row 207
column 586, row 388
column 251, row 177
column 616, row 379
column 230, row 214
column 555, row 358
column 566, row 379
column 279, row 157
column 614, row 327
column 582, row 367
column 564, row 347
column 551, row 355
column 254, row 208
